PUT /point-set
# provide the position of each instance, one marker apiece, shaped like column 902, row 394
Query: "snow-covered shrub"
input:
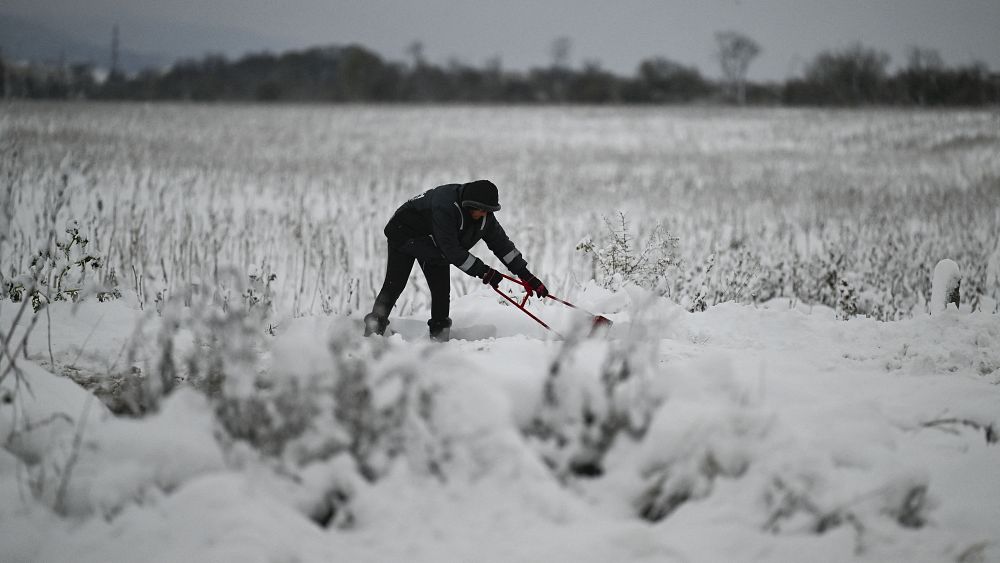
column 619, row 258
column 259, row 294
column 706, row 427
column 808, row 502
column 733, row 275
column 698, row 282
column 315, row 400
column 595, row 393
column 56, row 266
column 77, row 460
column 54, row 263
column 66, row 270
column 581, row 413
column 195, row 338
column 847, row 300
column 820, row 276
column 387, row 412
column 979, row 291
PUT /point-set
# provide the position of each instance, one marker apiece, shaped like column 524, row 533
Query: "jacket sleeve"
column 446, row 221
column 498, row 242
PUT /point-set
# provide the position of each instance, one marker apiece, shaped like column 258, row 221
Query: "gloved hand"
column 536, row 285
column 492, row 277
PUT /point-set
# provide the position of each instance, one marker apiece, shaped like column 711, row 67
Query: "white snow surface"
column 770, row 433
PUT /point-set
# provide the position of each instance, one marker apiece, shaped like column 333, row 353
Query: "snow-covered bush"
column 294, row 398
column 197, row 338
column 77, row 460
column 53, row 263
column 593, row 395
column 619, row 257
column 66, row 270
column 736, row 279
column 803, row 503
column 259, row 294
column 598, row 392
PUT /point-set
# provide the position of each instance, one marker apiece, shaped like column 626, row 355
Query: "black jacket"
column 435, row 220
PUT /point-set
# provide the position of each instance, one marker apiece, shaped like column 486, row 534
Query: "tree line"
column 853, row 76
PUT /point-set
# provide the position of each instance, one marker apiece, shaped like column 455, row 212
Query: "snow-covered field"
column 813, row 410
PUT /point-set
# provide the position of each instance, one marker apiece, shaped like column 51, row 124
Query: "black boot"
column 440, row 329
column 375, row 324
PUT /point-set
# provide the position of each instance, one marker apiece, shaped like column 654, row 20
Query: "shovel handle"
column 527, row 288
column 526, row 295
column 522, row 308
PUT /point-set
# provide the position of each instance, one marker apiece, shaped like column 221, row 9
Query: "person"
column 436, row 229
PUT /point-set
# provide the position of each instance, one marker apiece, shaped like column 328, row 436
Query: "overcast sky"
column 617, row 33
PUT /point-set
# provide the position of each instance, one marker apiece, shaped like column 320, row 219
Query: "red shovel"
column 598, row 322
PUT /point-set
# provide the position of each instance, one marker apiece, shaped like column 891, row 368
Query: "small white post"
column 945, row 287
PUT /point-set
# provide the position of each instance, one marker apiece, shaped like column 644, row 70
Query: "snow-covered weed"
column 199, row 338
column 597, row 392
column 585, row 408
column 803, row 503
column 60, row 273
column 620, row 257
column 59, row 266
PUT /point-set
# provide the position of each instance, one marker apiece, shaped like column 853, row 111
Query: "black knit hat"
column 481, row 194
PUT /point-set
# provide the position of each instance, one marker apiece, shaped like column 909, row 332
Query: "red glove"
column 536, row 285
column 492, row 277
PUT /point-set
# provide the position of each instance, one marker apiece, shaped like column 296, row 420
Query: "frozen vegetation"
column 183, row 377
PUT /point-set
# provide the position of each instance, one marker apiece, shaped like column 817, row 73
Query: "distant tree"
column 735, row 52
column 593, row 86
column 969, row 85
column 922, row 59
column 553, row 84
column 853, row 76
column 926, row 81
column 663, row 80
column 416, row 52
column 560, row 52
column 856, row 75
column 81, row 80
column 359, row 75
column 493, row 79
column 920, row 78
column 419, row 84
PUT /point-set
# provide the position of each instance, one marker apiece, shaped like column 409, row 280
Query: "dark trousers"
column 397, row 271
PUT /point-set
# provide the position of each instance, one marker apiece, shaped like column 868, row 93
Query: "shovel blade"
column 600, row 325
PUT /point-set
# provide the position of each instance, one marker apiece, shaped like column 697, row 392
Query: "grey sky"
column 618, row 34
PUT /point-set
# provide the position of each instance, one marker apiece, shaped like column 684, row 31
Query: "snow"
column 947, row 278
column 768, row 433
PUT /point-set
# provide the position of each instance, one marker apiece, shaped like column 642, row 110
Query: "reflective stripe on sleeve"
column 468, row 263
column 511, row 256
